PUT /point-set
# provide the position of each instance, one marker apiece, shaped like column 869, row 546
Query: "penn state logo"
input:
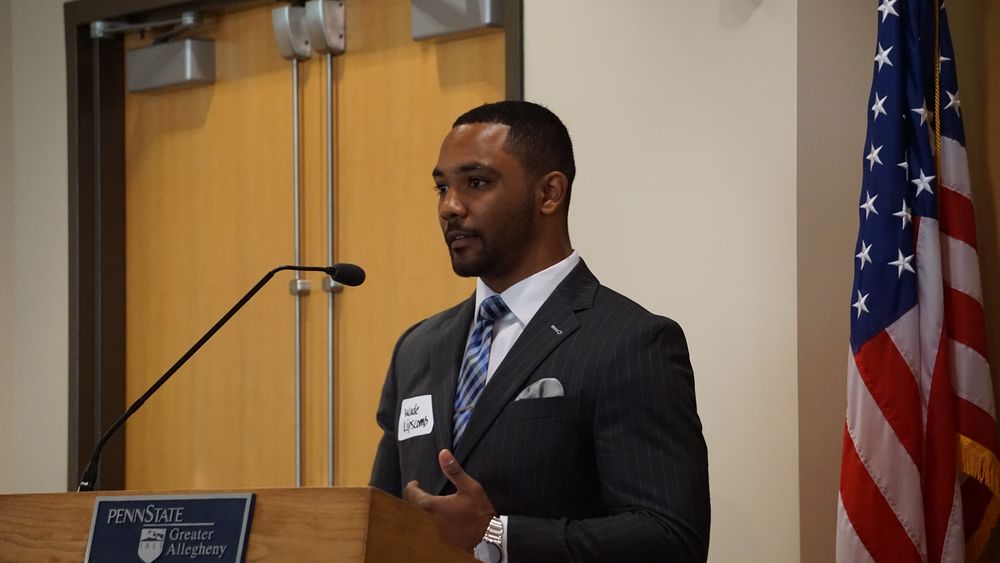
column 151, row 543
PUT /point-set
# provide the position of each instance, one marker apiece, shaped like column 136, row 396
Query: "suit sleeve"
column 651, row 458
column 385, row 471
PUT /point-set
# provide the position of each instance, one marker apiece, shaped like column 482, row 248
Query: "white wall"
column 33, row 255
column 683, row 116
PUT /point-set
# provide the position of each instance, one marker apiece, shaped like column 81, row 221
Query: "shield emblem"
column 151, row 543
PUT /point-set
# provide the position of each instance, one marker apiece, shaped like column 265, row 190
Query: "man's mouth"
column 459, row 239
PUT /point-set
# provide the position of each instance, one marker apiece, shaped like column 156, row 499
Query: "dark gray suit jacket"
column 615, row 470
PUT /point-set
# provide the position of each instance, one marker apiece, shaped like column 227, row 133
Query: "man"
column 546, row 418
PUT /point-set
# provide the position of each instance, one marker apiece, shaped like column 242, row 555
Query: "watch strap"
column 494, row 531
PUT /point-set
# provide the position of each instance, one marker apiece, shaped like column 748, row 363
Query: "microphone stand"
column 89, row 477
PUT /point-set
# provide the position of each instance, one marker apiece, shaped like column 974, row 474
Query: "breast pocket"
column 551, row 407
column 538, row 452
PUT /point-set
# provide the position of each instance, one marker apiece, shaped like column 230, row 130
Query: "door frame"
column 95, row 93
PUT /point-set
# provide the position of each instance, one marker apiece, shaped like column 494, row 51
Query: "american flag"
column 920, row 478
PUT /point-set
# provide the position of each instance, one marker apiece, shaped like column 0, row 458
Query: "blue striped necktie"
column 472, row 378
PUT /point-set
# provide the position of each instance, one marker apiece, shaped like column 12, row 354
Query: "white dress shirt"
column 524, row 299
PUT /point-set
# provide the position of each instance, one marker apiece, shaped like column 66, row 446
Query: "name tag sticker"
column 416, row 417
column 170, row 528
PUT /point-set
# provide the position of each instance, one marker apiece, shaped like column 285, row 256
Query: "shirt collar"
column 525, row 297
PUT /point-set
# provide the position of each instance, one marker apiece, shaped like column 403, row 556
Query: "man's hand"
column 463, row 515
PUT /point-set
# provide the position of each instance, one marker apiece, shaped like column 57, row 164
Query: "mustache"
column 457, row 231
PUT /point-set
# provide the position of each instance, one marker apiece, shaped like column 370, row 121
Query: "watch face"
column 488, row 552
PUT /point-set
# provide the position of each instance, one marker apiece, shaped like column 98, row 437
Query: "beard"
column 498, row 252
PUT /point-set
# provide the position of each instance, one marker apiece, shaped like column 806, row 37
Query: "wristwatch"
column 489, row 550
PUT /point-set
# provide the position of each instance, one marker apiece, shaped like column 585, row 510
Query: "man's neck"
column 541, row 262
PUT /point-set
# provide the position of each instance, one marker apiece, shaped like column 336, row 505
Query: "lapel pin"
column 554, row 329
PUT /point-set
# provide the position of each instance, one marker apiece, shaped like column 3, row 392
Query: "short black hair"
column 537, row 137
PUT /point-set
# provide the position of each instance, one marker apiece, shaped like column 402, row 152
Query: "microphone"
column 347, row 274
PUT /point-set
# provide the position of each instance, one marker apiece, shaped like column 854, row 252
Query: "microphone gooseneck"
column 347, row 274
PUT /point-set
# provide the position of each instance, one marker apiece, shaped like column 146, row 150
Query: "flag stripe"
column 888, row 379
column 930, row 307
column 849, row 546
column 954, row 542
column 961, row 267
column 976, row 424
column 872, row 518
column 902, row 332
column 958, row 219
column 939, row 467
column 955, row 167
column 883, row 455
column 971, row 378
column 966, row 321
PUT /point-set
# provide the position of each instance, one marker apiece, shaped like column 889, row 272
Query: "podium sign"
column 167, row 528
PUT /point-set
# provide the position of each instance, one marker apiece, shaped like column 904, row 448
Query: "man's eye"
column 476, row 182
column 441, row 189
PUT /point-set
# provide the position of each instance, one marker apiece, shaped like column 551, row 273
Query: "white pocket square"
column 542, row 389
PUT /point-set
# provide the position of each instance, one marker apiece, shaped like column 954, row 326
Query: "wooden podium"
column 308, row 524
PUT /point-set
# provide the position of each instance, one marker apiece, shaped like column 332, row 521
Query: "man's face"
column 486, row 207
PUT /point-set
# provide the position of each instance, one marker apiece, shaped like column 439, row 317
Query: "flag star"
column 904, row 214
column 954, row 102
column 882, row 58
column 943, row 59
column 879, row 107
column 869, row 206
column 860, row 303
column 924, row 114
column 903, row 263
column 923, row 183
column 905, row 166
column 873, row 158
column 863, row 255
column 887, row 8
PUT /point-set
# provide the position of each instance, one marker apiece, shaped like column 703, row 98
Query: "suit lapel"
column 536, row 342
column 445, row 364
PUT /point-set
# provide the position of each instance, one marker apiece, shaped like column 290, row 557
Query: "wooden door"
column 209, row 210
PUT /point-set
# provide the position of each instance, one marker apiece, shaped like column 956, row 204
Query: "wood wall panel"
column 208, row 212
column 209, row 209
column 396, row 100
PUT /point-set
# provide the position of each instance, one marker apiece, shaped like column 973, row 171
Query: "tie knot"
column 492, row 308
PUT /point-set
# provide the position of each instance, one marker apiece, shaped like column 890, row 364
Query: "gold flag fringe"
column 982, row 465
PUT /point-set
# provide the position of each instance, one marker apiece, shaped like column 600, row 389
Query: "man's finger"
column 454, row 472
column 414, row 494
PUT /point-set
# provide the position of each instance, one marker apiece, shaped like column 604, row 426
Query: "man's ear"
column 554, row 189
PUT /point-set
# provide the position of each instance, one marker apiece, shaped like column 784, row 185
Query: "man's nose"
column 451, row 206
